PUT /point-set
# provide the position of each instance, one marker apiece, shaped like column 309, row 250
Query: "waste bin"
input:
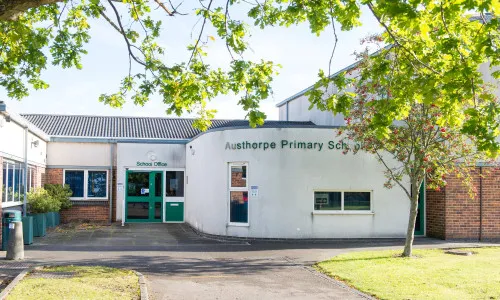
column 28, row 230
column 9, row 216
column 39, row 224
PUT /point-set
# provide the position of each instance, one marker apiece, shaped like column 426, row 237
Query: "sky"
column 300, row 53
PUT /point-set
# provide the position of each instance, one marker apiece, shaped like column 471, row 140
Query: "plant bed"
column 80, row 226
column 78, row 282
column 430, row 274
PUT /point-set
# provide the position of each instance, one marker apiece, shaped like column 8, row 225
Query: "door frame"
column 165, row 199
column 421, row 210
column 174, row 199
column 149, row 200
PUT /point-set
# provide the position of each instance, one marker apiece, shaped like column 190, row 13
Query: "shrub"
column 60, row 193
column 40, row 201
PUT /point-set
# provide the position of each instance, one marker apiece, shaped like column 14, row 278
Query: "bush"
column 60, row 193
column 40, row 201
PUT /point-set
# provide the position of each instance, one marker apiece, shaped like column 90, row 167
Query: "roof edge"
column 312, row 86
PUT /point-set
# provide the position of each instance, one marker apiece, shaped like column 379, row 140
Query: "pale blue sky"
column 300, row 53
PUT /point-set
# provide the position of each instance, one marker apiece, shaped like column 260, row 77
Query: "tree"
column 420, row 104
column 434, row 58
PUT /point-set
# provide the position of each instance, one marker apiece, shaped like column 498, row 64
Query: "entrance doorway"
column 144, row 196
column 420, row 222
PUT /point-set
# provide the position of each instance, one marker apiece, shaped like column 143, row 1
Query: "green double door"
column 144, row 196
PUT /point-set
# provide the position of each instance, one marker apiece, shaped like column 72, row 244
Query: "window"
column 238, row 194
column 97, row 184
column 342, row 201
column 13, row 182
column 31, row 178
column 87, row 184
column 174, row 183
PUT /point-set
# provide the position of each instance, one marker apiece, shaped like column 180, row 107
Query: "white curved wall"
column 287, row 179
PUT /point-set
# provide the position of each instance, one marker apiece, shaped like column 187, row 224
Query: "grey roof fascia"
column 76, row 139
column 245, row 127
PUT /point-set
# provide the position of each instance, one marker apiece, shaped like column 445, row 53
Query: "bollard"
column 15, row 246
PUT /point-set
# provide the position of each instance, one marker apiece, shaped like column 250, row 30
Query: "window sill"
column 88, row 199
column 369, row 213
column 239, row 224
column 10, row 204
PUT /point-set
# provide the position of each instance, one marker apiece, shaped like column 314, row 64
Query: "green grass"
column 431, row 275
column 88, row 283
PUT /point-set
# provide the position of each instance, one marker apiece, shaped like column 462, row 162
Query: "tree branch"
column 393, row 177
column 129, row 46
column 199, row 36
column 370, row 6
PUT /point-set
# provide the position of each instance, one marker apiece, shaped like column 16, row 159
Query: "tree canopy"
column 421, row 103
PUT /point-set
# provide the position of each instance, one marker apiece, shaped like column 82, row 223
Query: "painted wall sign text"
column 288, row 144
column 151, row 164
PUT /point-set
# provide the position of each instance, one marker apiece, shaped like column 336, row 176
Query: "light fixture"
column 192, row 150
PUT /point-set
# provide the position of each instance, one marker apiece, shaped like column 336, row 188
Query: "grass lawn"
column 431, row 275
column 81, row 283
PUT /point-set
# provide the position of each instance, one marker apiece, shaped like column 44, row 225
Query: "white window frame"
column 6, row 202
column 237, row 189
column 85, row 184
column 342, row 211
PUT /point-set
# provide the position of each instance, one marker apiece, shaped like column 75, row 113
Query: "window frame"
column 237, row 189
column 11, row 164
column 85, row 184
column 342, row 211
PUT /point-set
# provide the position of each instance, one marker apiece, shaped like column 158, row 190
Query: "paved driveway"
column 179, row 264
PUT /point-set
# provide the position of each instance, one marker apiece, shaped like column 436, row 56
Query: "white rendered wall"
column 12, row 142
column 128, row 154
column 79, row 154
column 286, row 179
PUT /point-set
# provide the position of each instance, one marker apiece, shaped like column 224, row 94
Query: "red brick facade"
column 86, row 213
column 452, row 214
column 85, row 210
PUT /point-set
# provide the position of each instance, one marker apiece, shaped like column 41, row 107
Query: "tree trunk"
column 410, row 233
column 10, row 10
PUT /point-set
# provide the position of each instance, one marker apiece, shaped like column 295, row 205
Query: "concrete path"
column 179, row 264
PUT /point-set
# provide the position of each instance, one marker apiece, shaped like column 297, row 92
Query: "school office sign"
column 151, row 164
column 288, row 144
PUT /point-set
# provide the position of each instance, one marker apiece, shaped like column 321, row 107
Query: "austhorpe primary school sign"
column 288, row 144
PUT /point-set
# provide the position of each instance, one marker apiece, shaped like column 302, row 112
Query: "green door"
column 144, row 197
column 420, row 222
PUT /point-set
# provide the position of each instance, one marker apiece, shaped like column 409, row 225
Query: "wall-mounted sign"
column 254, row 191
column 289, row 144
column 151, row 164
column 144, row 191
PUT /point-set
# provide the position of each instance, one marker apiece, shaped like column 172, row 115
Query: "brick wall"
column 491, row 204
column 435, row 213
column 38, row 176
column 237, row 179
column 52, row 176
column 86, row 213
column 453, row 214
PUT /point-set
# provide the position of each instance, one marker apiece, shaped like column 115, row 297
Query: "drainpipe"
column 480, row 203
column 25, row 179
column 112, row 156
